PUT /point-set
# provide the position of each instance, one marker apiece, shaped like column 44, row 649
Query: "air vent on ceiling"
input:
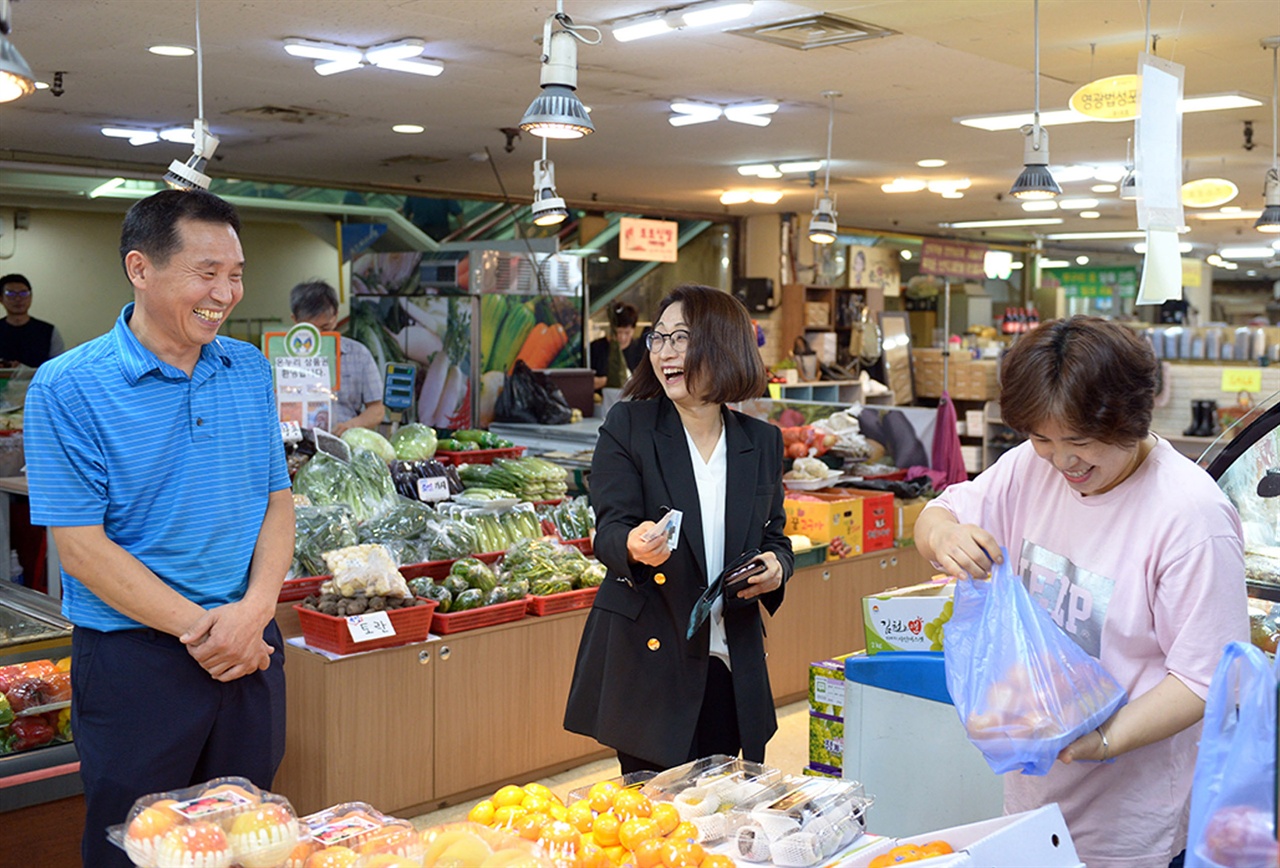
column 290, row 114
column 815, row 31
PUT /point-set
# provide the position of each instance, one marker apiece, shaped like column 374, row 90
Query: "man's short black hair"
column 15, row 278
column 151, row 226
column 312, row 298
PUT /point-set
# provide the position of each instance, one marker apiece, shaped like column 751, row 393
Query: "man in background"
column 23, row 338
column 154, row 454
column 358, row 403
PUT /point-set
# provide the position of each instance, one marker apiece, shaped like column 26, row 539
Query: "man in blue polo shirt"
column 154, row 454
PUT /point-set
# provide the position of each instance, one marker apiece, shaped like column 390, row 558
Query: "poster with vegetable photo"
column 433, row 333
column 386, row 273
column 545, row 331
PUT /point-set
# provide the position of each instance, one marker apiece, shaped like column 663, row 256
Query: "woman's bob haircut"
column 1089, row 375
column 722, row 363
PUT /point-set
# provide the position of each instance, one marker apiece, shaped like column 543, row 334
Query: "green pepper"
column 6, row 711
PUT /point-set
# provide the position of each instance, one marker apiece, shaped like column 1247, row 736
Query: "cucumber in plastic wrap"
column 476, row 573
column 456, row 585
column 472, row 598
column 593, row 576
column 554, row 585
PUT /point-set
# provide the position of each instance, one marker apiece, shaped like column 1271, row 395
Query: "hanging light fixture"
column 16, row 78
column 557, row 113
column 1269, row 219
column 190, row 175
column 823, row 226
column 1035, row 182
column 548, row 208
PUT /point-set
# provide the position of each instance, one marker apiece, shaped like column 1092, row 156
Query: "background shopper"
column 154, row 453
column 639, row 686
column 615, row 356
column 23, row 338
column 1136, row 553
column 359, row 400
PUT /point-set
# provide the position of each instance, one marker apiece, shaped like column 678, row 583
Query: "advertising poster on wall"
column 873, row 268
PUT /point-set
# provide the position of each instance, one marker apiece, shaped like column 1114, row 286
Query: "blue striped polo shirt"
column 176, row 469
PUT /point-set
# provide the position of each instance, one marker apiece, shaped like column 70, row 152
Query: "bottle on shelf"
column 15, row 567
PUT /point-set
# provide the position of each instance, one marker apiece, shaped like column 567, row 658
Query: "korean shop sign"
column 1098, row 282
column 648, row 240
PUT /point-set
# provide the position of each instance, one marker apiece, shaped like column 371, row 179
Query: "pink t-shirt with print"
column 1149, row 579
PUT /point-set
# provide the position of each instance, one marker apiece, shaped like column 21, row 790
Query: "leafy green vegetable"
column 414, row 442
column 363, row 438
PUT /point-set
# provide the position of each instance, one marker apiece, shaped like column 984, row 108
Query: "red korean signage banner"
column 953, row 259
column 648, row 240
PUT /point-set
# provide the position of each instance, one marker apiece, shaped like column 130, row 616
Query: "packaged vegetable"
column 367, row 569
column 405, row 520
column 319, row 529
column 364, row 438
column 472, row 598
column 414, row 442
column 476, row 573
column 327, row 481
column 428, row 588
column 374, row 473
column 447, row 539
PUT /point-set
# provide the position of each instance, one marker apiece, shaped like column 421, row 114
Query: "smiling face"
column 184, row 301
column 1088, row 465
column 668, row 359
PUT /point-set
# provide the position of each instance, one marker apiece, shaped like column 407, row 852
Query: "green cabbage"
column 363, row 438
column 414, row 442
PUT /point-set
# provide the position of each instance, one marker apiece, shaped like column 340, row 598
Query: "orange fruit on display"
column 535, row 804
column 666, row 816
column 581, row 815
column 537, row 789
column 884, row 860
column 637, row 829
column 63, row 664
column 298, row 858
column 905, row 853
column 507, row 815
column 481, row 812
column 389, row 860
column 631, row 803
column 605, row 829
column 648, row 853
column 684, row 831
column 590, row 855
column 601, row 795
column 332, row 857
column 558, row 834
column 718, row 860
column 558, row 811
column 935, row 848
column 530, row 826
column 508, row 795
column 682, row 854
column 617, row 855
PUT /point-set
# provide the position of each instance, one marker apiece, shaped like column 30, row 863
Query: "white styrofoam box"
column 973, row 421
column 1038, row 837
column 972, row 456
column 893, row 741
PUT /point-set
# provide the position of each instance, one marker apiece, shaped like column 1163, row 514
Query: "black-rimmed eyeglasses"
column 655, row 341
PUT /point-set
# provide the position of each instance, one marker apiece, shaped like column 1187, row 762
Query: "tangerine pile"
column 611, row 827
column 904, row 853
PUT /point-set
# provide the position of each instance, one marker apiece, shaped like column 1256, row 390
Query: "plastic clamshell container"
column 361, row 830
column 567, row 601
column 483, row 616
column 226, row 821
column 632, row 781
column 813, row 819
column 477, row 456
column 330, row 632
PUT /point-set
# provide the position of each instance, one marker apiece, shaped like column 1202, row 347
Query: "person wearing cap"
column 23, row 338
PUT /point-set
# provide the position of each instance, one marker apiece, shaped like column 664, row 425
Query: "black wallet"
column 731, row 580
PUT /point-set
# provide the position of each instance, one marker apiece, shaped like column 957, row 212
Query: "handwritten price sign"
column 375, row 625
column 432, row 488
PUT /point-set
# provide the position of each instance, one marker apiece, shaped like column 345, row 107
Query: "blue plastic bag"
column 1022, row 688
column 1233, row 794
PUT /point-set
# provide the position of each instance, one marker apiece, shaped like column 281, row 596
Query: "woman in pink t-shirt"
column 1135, row 552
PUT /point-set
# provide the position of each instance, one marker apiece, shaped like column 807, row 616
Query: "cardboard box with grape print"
column 908, row 619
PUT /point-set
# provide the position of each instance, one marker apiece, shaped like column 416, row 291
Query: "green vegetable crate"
column 330, row 632
column 567, row 601
column 811, row 556
column 472, row 619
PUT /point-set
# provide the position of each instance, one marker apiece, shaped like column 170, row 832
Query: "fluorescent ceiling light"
column 1000, row 224
column 756, row 114
column 903, row 185
column 801, row 166
column 331, row 67
column 179, row 135
column 931, row 164
column 687, row 113
column 135, row 137
column 766, row 197
column 1040, row 205
column 1103, row 188
column 716, row 13
column 640, row 29
column 320, row 50
column 172, row 50
column 1094, row 236
column 402, row 50
column 1077, row 204
column 1183, row 247
column 1054, row 263
column 422, row 66
column 1068, row 174
column 1090, row 215
column 1111, row 174
column 408, row 129
column 952, row 194
column 1016, row 264
column 1059, row 117
column 403, row 55
column 42, row 85
column 1247, row 252
column 756, row 169
column 1230, row 209
column 1224, row 214
column 948, row 185
column 103, row 189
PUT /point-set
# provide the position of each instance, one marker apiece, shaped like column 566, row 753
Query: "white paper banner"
column 1158, row 144
column 1162, row 268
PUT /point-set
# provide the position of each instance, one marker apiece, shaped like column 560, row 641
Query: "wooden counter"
column 416, row 728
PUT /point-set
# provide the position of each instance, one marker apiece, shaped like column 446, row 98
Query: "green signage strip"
column 1098, row 282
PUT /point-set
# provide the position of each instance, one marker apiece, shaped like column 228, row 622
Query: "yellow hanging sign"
column 1242, row 380
column 1108, row 99
column 1208, row 192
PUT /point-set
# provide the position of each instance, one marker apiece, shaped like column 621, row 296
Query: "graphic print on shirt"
column 1075, row 597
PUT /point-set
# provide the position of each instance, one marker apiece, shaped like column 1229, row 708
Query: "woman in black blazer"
column 639, row 686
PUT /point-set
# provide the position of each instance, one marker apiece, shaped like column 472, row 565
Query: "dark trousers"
column 147, row 718
column 717, row 730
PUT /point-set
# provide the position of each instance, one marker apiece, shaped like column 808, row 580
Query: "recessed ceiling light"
column 171, row 50
column 1141, row 247
column 762, row 197
column 1224, row 214
column 766, row 197
column 948, row 185
column 1040, row 205
column 1090, row 215
column 1251, row 273
column 1247, row 252
column 757, row 169
column 931, row 164
column 1082, row 260
column 1208, row 192
column 1077, row 204
column 42, row 85
column 801, row 166
column 903, row 185
column 408, row 129
column 1054, row 263
column 999, row 224
column 905, row 254
column 952, row 194
column 1102, row 188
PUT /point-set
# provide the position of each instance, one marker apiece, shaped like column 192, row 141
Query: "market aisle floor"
column 788, row 750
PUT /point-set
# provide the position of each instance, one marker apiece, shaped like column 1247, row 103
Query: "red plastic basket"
column 439, row 569
column 583, row 545
column 330, row 633
column 477, row 456
column 565, row 602
column 300, row 587
column 471, row 619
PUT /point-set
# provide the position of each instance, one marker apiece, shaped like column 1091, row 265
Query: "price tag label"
column 1242, row 380
column 433, row 488
column 291, row 432
column 374, row 625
